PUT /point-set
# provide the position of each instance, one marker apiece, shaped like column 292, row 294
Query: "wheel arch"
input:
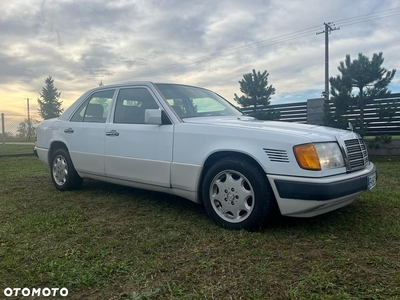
column 53, row 147
column 214, row 157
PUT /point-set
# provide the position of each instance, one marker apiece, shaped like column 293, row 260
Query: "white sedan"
column 190, row 142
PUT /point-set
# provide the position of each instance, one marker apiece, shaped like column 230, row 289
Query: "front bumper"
column 307, row 197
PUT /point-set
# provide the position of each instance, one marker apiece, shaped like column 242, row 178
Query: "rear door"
column 84, row 133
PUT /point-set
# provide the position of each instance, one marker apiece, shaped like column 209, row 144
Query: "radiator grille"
column 276, row 155
column 356, row 153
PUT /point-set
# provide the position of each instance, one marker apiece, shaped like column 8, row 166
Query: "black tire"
column 63, row 173
column 237, row 195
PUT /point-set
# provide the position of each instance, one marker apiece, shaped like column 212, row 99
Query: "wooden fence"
column 300, row 113
column 291, row 112
column 376, row 125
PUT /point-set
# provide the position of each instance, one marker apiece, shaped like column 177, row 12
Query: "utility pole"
column 329, row 27
column 27, row 105
column 29, row 120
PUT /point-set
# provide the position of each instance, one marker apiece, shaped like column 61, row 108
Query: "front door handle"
column 112, row 133
column 69, row 130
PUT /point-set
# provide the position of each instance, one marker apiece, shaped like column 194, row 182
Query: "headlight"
column 319, row 156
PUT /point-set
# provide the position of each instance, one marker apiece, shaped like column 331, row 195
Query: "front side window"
column 189, row 101
column 95, row 109
column 132, row 104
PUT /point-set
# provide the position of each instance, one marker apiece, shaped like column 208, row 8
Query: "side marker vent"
column 276, row 155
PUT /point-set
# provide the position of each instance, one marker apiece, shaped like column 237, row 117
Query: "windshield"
column 189, row 101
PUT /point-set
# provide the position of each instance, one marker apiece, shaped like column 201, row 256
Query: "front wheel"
column 63, row 173
column 236, row 194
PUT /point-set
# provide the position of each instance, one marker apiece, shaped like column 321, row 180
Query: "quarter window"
column 95, row 109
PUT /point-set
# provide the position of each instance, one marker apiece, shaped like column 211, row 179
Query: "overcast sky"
column 209, row 43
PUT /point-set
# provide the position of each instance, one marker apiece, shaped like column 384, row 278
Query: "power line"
column 267, row 42
column 236, row 50
column 368, row 15
column 345, row 24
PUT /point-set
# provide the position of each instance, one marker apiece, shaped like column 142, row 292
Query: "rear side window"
column 95, row 109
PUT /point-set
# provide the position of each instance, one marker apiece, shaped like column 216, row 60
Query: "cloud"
column 208, row 43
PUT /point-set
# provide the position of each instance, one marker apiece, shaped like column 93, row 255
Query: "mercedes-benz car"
column 190, row 142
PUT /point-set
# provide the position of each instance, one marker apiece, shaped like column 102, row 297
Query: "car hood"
column 315, row 133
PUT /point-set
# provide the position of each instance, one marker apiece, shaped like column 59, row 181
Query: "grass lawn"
column 110, row 242
column 16, row 149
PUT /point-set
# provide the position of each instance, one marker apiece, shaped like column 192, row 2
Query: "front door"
column 136, row 151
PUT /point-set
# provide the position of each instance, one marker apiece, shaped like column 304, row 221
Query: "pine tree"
column 367, row 76
column 49, row 103
column 257, row 94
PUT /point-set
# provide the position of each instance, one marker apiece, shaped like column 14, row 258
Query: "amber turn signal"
column 307, row 157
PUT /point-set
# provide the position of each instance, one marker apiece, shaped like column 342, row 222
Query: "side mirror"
column 156, row 117
column 153, row 116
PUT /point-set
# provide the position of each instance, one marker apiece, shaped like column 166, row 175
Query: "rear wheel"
column 236, row 194
column 63, row 173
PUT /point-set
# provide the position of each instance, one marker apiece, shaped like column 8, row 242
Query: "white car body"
column 174, row 158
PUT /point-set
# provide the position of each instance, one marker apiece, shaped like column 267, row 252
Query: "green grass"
column 19, row 139
column 371, row 137
column 16, row 149
column 110, row 242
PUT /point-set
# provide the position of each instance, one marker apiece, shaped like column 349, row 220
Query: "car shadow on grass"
column 130, row 194
column 129, row 197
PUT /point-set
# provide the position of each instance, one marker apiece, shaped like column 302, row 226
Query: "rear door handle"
column 69, row 130
column 112, row 133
